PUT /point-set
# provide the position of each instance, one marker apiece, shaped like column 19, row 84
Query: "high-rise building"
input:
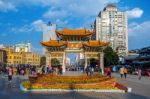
column 68, row 62
column 49, row 32
column 111, row 26
column 79, row 59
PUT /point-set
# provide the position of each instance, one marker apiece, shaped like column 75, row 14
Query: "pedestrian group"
column 123, row 72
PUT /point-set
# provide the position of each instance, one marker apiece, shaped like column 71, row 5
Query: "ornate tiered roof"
column 79, row 32
column 69, row 39
column 91, row 43
column 95, row 43
column 54, row 43
column 94, row 46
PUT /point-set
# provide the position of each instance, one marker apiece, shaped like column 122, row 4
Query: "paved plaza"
column 140, row 90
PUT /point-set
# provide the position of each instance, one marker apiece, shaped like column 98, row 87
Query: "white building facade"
column 49, row 32
column 79, row 59
column 68, row 61
column 26, row 47
column 2, row 46
column 111, row 25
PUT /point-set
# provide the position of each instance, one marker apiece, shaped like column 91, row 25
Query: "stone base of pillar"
column 64, row 63
column 102, row 63
column 47, row 60
column 63, row 69
column 85, row 61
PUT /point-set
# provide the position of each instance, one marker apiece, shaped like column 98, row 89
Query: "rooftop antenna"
column 49, row 23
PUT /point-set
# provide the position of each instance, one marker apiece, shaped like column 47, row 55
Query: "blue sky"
column 22, row 20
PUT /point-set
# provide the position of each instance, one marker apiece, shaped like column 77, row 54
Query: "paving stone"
column 140, row 90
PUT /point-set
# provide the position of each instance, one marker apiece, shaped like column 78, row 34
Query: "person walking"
column 87, row 70
column 139, row 73
column 121, row 71
column 10, row 74
column 22, row 71
column 18, row 70
column 3, row 71
column 109, row 72
column 125, row 72
column 92, row 70
column 43, row 70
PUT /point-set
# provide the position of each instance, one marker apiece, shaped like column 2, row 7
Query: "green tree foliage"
column 43, row 60
column 110, row 57
column 55, row 62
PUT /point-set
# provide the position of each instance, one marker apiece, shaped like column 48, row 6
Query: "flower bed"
column 84, row 82
column 67, row 79
column 110, row 84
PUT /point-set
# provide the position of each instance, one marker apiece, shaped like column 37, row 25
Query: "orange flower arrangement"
column 70, row 82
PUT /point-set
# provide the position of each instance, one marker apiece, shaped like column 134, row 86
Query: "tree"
column 110, row 57
column 55, row 62
column 43, row 60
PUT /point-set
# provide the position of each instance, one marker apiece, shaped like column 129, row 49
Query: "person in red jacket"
column 108, row 72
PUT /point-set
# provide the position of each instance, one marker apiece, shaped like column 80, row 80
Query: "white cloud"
column 139, row 30
column 37, row 25
column 54, row 14
column 139, row 35
column 24, row 29
column 135, row 13
column 66, row 10
column 77, row 7
column 5, row 6
column 12, row 5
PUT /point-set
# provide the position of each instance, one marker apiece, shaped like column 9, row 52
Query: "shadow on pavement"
column 16, row 93
column 81, row 95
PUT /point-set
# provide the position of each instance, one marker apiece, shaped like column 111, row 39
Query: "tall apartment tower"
column 49, row 32
column 111, row 25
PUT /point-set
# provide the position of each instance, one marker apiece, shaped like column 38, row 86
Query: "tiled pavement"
column 139, row 87
column 140, row 91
